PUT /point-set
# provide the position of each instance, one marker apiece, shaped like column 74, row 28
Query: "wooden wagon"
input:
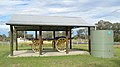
column 60, row 44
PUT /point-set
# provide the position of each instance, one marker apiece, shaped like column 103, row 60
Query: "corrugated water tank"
column 102, row 43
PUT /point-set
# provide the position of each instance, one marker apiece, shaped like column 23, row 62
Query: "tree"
column 3, row 37
column 47, row 34
column 29, row 36
column 81, row 33
column 20, row 33
column 106, row 25
column 57, row 33
column 116, row 28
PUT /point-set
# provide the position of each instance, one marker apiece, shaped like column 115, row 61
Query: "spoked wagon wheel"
column 61, row 45
column 35, row 46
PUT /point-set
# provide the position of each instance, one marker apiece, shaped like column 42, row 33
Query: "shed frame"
column 45, row 23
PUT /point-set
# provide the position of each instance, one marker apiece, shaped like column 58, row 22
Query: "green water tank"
column 102, row 43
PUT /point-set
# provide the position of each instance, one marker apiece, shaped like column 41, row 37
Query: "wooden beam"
column 16, row 41
column 35, row 34
column 54, row 39
column 89, row 41
column 11, row 40
column 40, row 40
column 67, row 28
column 70, row 40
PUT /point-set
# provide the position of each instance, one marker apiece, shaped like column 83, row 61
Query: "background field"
column 58, row 61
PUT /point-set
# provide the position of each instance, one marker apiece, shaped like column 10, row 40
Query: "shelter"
column 45, row 23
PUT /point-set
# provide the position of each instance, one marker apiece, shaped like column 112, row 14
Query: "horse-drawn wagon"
column 60, row 44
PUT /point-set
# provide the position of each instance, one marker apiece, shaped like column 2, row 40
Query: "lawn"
column 59, row 61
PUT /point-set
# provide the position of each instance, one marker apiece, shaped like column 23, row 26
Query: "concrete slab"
column 30, row 53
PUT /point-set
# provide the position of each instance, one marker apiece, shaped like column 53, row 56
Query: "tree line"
column 24, row 34
column 106, row 25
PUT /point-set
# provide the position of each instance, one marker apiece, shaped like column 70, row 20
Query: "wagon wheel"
column 35, row 46
column 61, row 45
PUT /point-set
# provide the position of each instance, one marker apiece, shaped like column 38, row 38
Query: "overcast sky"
column 90, row 10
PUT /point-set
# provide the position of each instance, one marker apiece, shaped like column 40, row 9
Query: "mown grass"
column 58, row 61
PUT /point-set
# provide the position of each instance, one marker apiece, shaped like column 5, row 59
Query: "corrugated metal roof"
column 46, row 20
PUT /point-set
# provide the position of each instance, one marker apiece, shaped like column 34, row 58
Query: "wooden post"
column 35, row 34
column 11, row 40
column 70, row 40
column 89, row 41
column 54, row 40
column 40, row 40
column 67, row 40
column 16, row 41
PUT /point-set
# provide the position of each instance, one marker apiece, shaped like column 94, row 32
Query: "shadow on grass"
column 80, row 49
column 95, row 65
column 24, row 49
column 53, row 49
column 4, row 54
column 117, row 62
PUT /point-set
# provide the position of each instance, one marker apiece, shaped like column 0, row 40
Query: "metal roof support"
column 67, row 28
column 40, row 40
column 11, row 40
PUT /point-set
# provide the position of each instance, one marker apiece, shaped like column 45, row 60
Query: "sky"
column 89, row 10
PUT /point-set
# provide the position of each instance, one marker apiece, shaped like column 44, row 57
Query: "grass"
column 58, row 61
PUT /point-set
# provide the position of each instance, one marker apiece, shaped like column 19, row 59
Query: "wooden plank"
column 11, row 40
column 40, row 40
column 44, row 28
column 67, row 40
column 89, row 41
column 16, row 41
